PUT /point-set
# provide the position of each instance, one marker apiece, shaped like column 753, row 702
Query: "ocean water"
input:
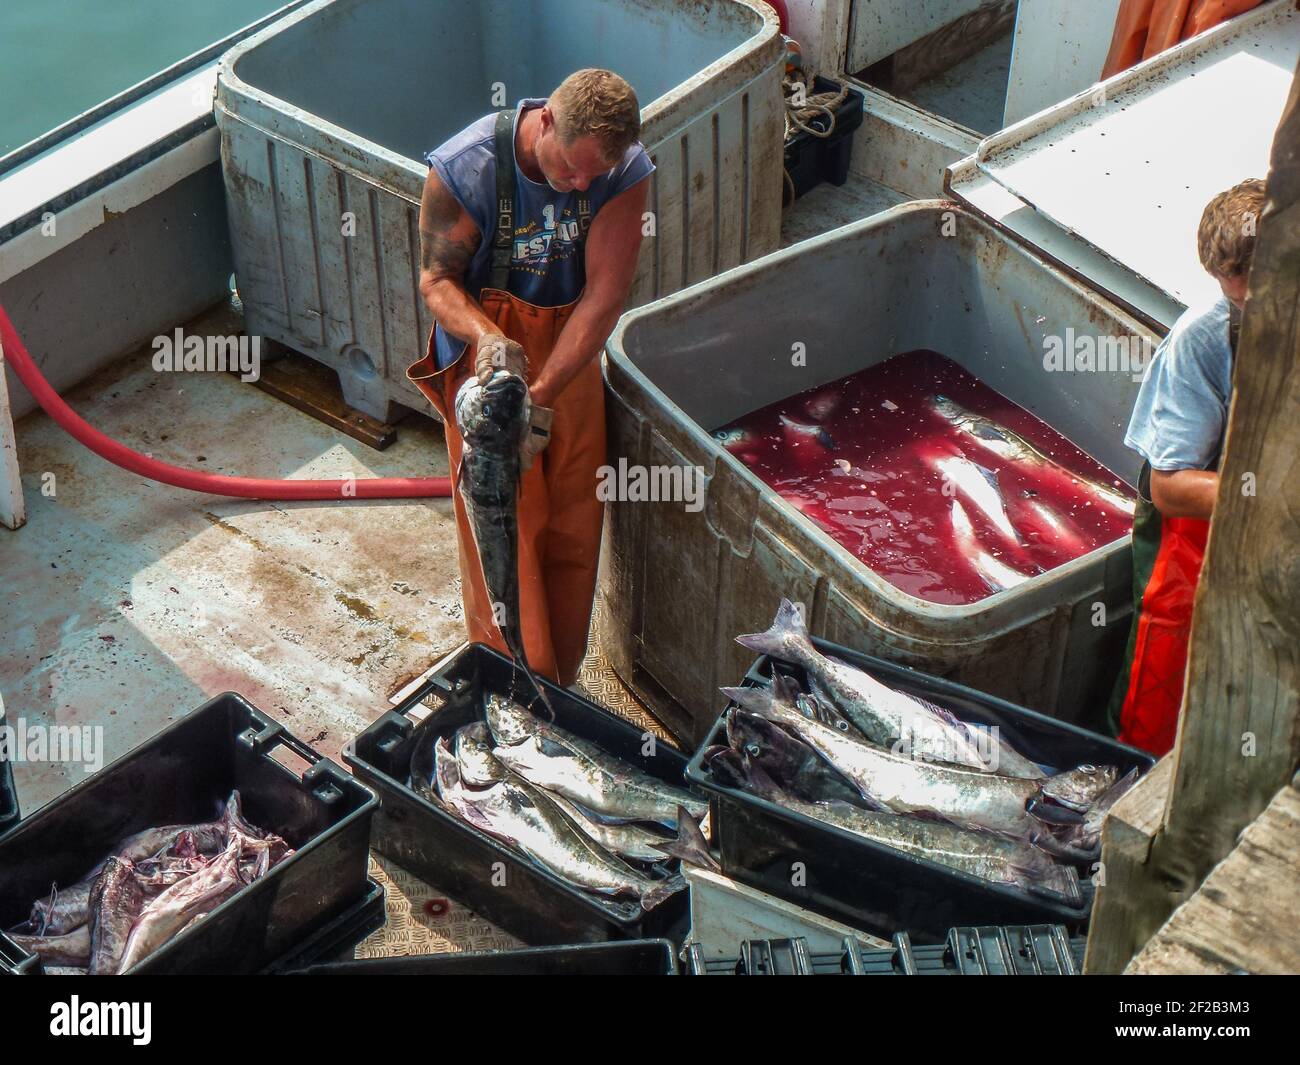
column 61, row 57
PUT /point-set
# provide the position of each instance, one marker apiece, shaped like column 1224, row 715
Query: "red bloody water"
column 893, row 488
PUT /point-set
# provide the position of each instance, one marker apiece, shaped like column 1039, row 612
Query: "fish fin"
column 788, row 625
column 690, row 844
column 1052, row 814
column 662, row 891
column 1064, row 848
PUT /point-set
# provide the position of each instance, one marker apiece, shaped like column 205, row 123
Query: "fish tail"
column 787, row 639
column 690, row 844
column 662, row 891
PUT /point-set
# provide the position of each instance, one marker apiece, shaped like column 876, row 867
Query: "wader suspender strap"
column 503, row 241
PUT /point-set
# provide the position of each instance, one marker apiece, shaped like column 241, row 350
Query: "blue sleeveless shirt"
column 546, row 266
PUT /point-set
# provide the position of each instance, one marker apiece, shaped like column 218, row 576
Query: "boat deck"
column 136, row 602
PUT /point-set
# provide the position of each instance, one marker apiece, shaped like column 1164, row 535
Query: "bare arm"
column 448, row 240
column 612, row 247
column 1184, row 493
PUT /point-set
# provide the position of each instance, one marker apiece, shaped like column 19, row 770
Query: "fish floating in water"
column 1012, row 447
column 979, row 485
column 805, row 432
column 994, row 572
column 493, row 419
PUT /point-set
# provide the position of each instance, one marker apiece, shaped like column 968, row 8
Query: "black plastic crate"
column 419, row 835
column 811, row 160
column 1020, row 950
column 336, row 941
column 874, row 887
column 641, row 957
column 182, row 775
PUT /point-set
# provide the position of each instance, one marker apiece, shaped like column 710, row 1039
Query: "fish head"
column 1080, row 787
column 474, row 758
column 765, row 744
column 945, row 407
column 734, row 437
column 510, row 722
column 493, row 415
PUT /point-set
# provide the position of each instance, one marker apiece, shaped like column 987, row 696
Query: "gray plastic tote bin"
column 678, row 585
column 326, row 115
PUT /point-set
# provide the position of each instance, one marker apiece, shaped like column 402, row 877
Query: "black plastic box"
column 419, row 835
column 811, row 160
column 641, row 957
column 182, row 775
column 336, row 942
column 874, row 887
column 1021, row 950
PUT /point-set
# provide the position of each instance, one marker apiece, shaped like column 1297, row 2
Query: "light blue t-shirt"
column 1182, row 407
column 546, row 266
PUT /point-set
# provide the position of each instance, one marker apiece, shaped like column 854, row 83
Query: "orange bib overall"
column 560, row 514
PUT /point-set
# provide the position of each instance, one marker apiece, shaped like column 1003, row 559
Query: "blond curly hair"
column 1226, row 238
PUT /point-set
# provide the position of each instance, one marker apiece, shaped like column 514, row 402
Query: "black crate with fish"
column 198, row 852
column 890, row 799
column 557, row 831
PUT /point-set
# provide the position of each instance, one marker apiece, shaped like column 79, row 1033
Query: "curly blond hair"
column 1226, row 238
column 597, row 103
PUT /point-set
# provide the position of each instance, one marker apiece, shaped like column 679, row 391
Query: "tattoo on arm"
column 448, row 237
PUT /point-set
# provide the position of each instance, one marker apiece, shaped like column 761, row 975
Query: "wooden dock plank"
column 1246, row 916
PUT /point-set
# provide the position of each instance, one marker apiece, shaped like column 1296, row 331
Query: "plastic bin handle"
column 434, row 684
column 272, row 733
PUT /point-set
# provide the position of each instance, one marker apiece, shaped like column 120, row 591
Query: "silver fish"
column 1012, row 447
column 115, row 903
column 626, row 840
column 965, row 797
column 978, row 484
column 809, row 432
column 990, row 857
column 993, row 571
column 882, row 715
column 493, row 420
column 523, row 816
column 555, row 759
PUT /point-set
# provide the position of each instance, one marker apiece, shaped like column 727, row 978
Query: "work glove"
column 498, row 352
column 537, row 436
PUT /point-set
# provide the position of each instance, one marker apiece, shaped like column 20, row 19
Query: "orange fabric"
column 1149, row 719
column 560, row 514
column 1144, row 28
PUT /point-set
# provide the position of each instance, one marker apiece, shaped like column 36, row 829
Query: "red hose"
column 215, row 484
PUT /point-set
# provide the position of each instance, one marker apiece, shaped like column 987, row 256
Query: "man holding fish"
column 1178, row 428
column 530, row 224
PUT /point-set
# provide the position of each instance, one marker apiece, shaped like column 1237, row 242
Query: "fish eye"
column 1089, row 769
column 753, row 749
column 843, row 726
